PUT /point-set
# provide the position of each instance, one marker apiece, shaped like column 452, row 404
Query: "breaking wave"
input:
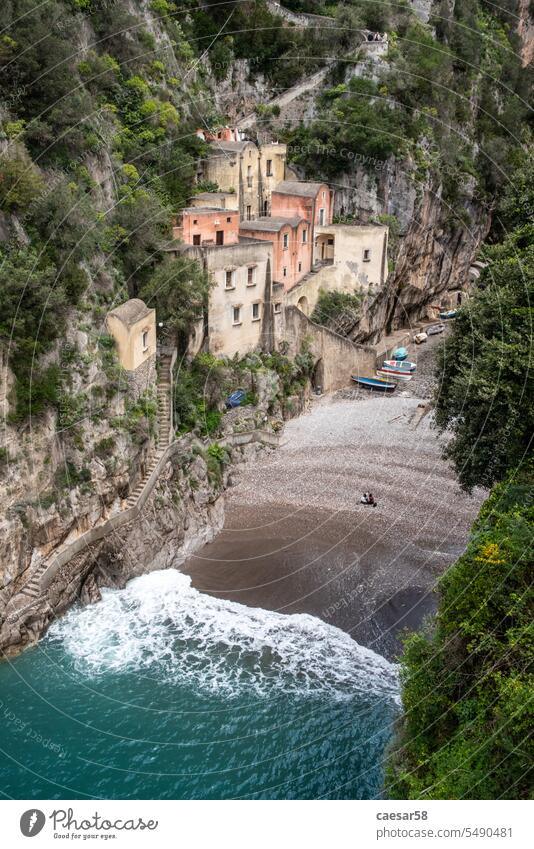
column 160, row 622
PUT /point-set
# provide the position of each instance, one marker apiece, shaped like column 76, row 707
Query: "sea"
column 160, row 691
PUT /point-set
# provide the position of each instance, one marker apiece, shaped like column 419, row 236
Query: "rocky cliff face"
column 184, row 511
column 436, row 247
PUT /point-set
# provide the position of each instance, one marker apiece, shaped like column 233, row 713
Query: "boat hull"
column 399, row 365
column 375, row 384
column 390, row 374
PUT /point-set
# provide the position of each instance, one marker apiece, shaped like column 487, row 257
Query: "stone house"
column 292, row 246
column 215, row 200
column 349, row 258
column 313, row 201
column 247, row 171
column 133, row 326
column 239, row 309
column 206, row 226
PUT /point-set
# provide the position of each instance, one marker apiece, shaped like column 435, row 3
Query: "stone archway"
column 303, row 305
column 317, row 376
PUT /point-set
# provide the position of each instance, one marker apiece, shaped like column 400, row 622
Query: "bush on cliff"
column 484, row 396
column 468, row 687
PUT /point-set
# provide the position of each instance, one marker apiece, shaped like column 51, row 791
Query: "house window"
column 228, row 220
column 219, row 237
column 249, row 176
column 145, row 340
column 229, row 279
column 321, row 216
column 300, row 266
column 278, row 306
column 251, row 276
column 367, row 255
column 330, row 241
column 324, row 195
column 266, row 207
column 304, row 236
column 236, row 315
column 285, row 272
column 286, row 241
column 269, row 167
column 255, row 312
column 249, row 213
column 195, row 220
column 196, row 239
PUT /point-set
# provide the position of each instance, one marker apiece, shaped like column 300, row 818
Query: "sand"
column 296, row 538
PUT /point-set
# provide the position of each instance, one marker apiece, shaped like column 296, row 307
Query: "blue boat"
column 374, row 383
column 448, row 314
column 399, row 354
column 235, row 399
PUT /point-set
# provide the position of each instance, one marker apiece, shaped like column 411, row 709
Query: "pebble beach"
column 296, row 538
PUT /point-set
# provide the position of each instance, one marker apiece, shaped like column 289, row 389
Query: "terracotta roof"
column 207, row 195
column 194, row 209
column 295, row 187
column 271, row 224
column 131, row 311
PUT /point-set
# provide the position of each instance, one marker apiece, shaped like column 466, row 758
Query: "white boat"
column 434, row 329
column 420, row 337
column 393, row 375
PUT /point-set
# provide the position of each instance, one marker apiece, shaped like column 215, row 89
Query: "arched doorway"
column 302, row 304
column 317, row 377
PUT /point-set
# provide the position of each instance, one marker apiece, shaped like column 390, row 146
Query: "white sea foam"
column 159, row 623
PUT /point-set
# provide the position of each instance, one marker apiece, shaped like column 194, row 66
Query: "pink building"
column 207, row 226
column 292, row 245
column 312, row 201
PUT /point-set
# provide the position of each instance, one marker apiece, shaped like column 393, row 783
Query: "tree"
column 178, row 290
column 485, row 393
column 20, row 183
column 468, row 685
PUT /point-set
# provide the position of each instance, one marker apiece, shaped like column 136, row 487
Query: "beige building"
column 348, row 258
column 249, row 173
column 133, row 326
column 239, row 316
column 219, row 200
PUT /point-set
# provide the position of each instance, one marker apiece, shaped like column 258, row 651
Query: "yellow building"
column 247, row 171
column 133, row 326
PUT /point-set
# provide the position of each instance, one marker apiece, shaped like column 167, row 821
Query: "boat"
column 389, row 374
column 448, row 314
column 405, row 365
column 420, row 337
column 399, row 354
column 235, row 399
column 434, row 329
column 374, row 383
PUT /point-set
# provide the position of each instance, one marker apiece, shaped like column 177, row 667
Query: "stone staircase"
column 32, row 589
column 164, row 426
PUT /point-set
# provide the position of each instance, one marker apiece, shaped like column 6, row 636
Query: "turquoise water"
column 160, row 691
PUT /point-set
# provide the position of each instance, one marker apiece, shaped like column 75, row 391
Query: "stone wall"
column 336, row 357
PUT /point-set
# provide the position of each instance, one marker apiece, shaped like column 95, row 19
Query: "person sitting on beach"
column 365, row 498
column 370, row 499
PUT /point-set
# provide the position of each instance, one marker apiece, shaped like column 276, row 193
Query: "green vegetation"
column 247, row 29
column 336, row 310
column 470, row 68
column 99, row 155
column 178, row 290
column 485, row 388
column 468, row 681
column 468, row 685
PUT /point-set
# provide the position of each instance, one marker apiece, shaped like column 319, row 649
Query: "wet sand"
column 297, row 540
